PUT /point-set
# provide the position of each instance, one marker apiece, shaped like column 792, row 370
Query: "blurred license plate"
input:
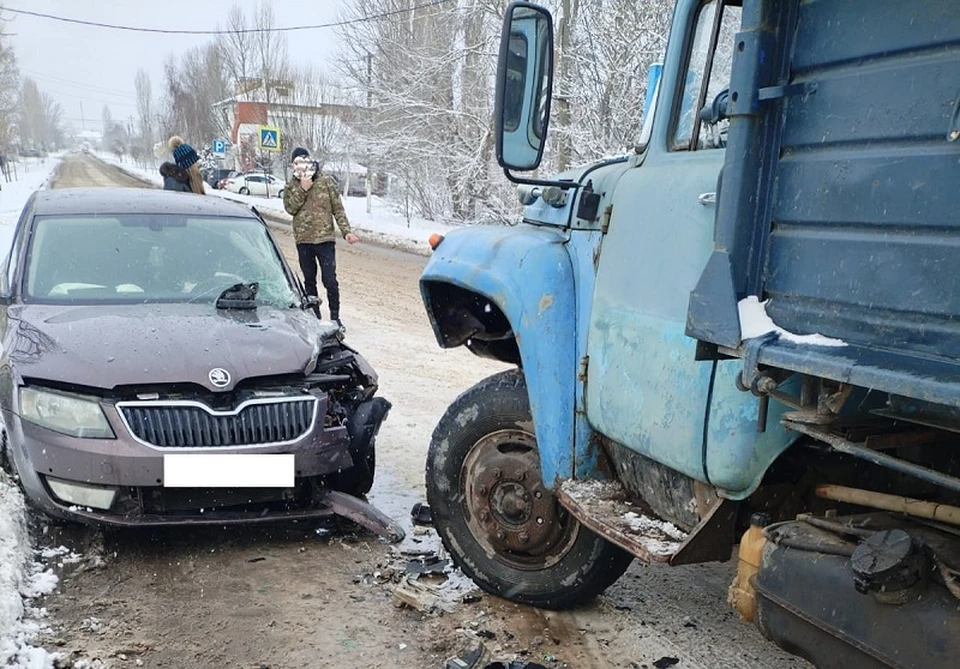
column 228, row 470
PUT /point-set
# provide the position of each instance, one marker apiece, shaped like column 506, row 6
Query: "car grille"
column 186, row 424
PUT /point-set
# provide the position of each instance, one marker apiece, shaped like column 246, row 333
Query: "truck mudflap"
column 871, row 591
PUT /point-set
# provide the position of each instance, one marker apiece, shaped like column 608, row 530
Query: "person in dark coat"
column 188, row 160
column 175, row 178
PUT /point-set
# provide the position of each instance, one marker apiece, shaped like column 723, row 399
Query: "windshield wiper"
column 239, row 296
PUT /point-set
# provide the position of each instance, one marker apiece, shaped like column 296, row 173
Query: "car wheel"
column 280, row 194
column 502, row 526
column 244, row 190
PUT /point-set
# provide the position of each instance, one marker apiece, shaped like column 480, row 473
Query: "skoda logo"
column 219, row 377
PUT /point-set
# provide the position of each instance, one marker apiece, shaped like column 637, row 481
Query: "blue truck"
column 744, row 333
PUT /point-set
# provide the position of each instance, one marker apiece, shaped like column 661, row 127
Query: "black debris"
column 665, row 662
column 421, row 515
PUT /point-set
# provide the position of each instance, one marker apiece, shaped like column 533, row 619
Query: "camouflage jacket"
column 314, row 211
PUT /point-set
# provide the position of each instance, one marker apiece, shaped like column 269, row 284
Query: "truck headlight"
column 66, row 414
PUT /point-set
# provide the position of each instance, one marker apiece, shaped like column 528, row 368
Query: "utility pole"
column 369, row 105
column 82, row 124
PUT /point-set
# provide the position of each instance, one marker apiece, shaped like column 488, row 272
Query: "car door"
column 255, row 184
column 644, row 388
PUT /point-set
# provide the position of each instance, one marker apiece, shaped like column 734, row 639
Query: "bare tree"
column 271, row 53
column 427, row 78
column 40, row 118
column 144, row 108
column 9, row 87
column 193, row 85
column 317, row 116
column 236, row 46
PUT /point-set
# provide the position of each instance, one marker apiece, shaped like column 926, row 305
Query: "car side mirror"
column 309, row 302
column 524, row 86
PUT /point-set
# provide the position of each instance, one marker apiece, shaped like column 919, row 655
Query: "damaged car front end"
column 160, row 362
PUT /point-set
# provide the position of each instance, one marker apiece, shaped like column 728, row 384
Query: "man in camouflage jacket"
column 314, row 203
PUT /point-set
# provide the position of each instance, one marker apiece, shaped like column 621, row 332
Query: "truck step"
column 605, row 508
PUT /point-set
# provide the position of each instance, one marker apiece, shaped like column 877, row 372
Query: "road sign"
column 269, row 138
column 219, row 147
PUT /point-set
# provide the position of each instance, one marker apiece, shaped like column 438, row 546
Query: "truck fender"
column 508, row 294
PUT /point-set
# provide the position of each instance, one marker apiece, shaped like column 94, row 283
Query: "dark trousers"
column 325, row 254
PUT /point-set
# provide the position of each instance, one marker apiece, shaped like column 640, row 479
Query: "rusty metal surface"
column 604, row 508
column 841, row 445
column 510, row 511
column 712, row 539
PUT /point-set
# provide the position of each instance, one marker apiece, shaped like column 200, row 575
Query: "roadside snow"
column 755, row 322
column 384, row 225
column 22, row 577
column 33, row 174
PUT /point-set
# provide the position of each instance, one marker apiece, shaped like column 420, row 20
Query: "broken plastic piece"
column 421, row 514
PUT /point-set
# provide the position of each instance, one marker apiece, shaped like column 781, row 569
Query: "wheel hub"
column 509, row 510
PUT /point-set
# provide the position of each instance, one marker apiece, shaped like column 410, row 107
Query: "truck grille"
column 188, row 424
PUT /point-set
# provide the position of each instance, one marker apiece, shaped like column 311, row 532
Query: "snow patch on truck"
column 605, row 507
column 755, row 322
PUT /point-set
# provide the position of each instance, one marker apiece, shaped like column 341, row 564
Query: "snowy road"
column 287, row 598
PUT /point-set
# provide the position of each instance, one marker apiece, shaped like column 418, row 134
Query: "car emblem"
column 219, row 377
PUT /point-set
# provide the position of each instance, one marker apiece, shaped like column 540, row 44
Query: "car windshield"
column 151, row 258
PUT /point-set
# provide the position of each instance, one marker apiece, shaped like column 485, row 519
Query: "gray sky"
column 88, row 66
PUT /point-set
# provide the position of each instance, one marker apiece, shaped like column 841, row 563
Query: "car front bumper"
column 135, row 471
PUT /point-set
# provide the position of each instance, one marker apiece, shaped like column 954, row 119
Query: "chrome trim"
column 215, row 412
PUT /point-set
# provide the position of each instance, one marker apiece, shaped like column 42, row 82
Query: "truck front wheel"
column 504, row 529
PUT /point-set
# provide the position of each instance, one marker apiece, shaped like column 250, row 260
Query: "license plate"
column 228, row 470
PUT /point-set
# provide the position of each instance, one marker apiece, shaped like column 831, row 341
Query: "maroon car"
column 161, row 365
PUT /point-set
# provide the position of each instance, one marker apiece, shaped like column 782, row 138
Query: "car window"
column 151, row 258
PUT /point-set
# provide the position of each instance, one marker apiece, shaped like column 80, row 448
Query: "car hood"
column 109, row 346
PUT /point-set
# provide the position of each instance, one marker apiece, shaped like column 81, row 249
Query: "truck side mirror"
column 524, row 86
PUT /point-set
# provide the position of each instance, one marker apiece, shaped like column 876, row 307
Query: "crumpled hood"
column 109, row 346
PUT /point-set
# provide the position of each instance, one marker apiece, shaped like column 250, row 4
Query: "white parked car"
column 255, row 183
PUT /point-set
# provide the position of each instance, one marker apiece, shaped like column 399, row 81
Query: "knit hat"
column 298, row 153
column 185, row 156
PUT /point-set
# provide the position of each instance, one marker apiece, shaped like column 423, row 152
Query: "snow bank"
column 22, row 577
column 755, row 322
column 384, row 225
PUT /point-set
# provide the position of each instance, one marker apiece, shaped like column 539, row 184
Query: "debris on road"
column 421, row 596
column 421, row 514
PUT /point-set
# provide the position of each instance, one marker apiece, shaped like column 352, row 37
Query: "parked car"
column 255, row 183
column 217, row 177
column 144, row 332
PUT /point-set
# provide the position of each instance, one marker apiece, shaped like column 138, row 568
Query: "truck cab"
column 744, row 327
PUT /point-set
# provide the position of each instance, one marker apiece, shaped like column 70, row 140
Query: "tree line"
column 29, row 118
column 421, row 79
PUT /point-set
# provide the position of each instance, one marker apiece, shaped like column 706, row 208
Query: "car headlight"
column 66, row 414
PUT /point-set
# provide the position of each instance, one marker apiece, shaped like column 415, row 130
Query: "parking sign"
column 219, row 147
column 269, row 138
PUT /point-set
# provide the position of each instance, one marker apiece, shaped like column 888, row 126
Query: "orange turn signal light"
column 435, row 240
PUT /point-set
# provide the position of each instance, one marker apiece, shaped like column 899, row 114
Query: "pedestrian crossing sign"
column 269, row 138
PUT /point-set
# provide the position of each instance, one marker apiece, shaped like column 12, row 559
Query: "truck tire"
column 501, row 525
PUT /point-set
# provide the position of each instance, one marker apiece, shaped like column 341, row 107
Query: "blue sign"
column 219, row 147
column 269, row 138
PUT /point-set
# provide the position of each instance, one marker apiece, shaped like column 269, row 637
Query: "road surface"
column 287, row 598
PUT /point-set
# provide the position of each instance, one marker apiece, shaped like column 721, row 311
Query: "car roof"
column 134, row 201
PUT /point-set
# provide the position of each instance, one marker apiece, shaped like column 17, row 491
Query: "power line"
column 36, row 74
column 163, row 31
